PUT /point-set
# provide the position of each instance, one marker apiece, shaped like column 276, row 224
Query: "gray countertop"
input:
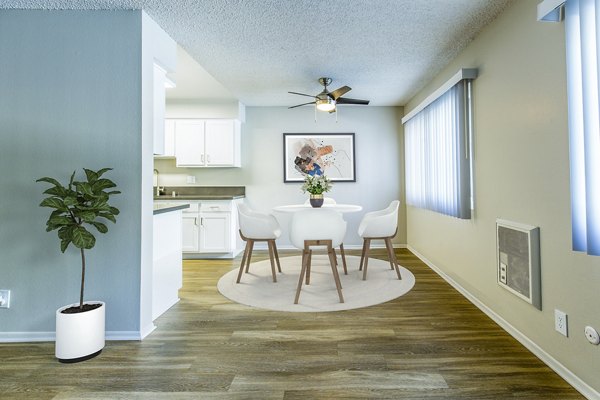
column 200, row 197
column 202, row 193
column 165, row 208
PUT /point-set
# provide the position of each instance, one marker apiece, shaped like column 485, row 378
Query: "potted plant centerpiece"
column 76, row 207
column 316, row 185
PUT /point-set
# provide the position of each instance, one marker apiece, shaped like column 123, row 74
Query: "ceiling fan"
column 326, row 100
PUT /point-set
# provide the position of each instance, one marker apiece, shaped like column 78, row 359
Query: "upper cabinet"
column 158, row 99
column 206, row 142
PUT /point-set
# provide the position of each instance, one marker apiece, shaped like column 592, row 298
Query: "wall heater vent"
column 518, row 253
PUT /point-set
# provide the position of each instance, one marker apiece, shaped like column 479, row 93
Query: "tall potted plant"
column 77, row 207
column 316, row 185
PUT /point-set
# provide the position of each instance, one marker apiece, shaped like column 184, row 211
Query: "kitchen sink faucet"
column 158, row 188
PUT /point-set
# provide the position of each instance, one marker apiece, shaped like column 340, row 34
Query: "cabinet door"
column 169, row 138
column 220, row 141
column 189, row 143
column 215, row 232
column 158, row 111
column 191, row 232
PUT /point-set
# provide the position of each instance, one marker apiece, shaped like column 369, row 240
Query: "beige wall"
column 521, row 174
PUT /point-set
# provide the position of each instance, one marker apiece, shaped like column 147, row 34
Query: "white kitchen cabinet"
column 191, row 232
column 158, row 112
column 215, row 227
column 209, row 228
column 207, row 143
column 169, row 140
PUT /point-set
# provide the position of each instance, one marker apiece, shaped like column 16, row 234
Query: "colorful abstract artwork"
column 331, row 154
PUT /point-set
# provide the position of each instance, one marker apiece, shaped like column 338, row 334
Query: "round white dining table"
column 343, row 208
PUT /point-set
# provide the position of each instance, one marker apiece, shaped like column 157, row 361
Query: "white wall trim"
column 148, row 329
column 261, row 246
column 25, row 337
column 579, row 385
column 551, row 10
column 463, row 73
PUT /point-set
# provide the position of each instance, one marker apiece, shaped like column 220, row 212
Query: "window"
column 582, row 40
column 438, row 149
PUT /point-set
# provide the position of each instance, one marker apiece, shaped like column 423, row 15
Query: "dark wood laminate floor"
column 429, row 344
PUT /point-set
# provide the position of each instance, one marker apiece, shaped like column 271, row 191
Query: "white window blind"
column 583, row 41
column 438, row 155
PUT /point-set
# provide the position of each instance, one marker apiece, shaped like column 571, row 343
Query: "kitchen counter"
column 168, row 207
column 199, row 197
column 202, row 193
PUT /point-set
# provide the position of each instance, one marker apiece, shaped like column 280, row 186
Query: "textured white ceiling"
column 386, row 50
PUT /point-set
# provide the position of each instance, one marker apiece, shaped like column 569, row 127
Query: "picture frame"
column 310, row 153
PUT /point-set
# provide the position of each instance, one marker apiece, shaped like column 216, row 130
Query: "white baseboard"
column 263, row 246
column 25, row 337
column 579, row 385
column 148, row 329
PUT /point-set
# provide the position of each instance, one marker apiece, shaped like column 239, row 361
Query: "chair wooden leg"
column 367, row 246
column 276, row 255
column 343, row 258
column 336, row 276
column 251, row 244
column 362, row 255
column 243, row 262
column 395, row 261
column 272, row 259
column 302, row 272
column 308, row 267
column 390, row 251
column 335, row 257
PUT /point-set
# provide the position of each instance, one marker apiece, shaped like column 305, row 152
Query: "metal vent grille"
column 518, row 261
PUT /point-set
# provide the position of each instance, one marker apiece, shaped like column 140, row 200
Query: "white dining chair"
column 331, row 200
column 258, row 227
column 382, row 224
column 317, row 228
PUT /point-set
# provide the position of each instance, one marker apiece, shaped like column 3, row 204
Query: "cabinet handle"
column 195, row 220
column 208, row 158
column 202, row 222
column 202, row 158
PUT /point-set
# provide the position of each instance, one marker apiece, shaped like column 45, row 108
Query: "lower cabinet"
column 210, row 229
column 215, row 232
column 191, row 232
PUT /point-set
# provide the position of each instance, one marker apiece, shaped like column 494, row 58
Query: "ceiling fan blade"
column 303, row 104
column 344, row 100
column 339, row 92
column 303, row 94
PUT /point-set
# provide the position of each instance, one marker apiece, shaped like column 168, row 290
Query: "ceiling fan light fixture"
column 326, row 104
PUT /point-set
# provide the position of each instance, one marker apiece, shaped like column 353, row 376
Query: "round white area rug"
column 257, row 288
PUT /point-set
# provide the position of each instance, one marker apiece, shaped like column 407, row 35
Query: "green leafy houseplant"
column 78, row 206
column 316, row 184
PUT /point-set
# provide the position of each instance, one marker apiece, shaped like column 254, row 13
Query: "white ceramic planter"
column 80, row 336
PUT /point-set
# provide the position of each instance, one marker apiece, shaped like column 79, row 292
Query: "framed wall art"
column 331, row 154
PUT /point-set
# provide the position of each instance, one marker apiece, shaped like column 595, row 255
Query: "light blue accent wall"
column 70, row 97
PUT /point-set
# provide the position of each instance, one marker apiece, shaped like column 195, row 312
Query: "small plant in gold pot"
column 316, row 186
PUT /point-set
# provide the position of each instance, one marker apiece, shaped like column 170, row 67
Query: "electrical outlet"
column 561, row 323
column 4, row 298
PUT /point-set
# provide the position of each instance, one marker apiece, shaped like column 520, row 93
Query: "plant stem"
column 82, row 279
